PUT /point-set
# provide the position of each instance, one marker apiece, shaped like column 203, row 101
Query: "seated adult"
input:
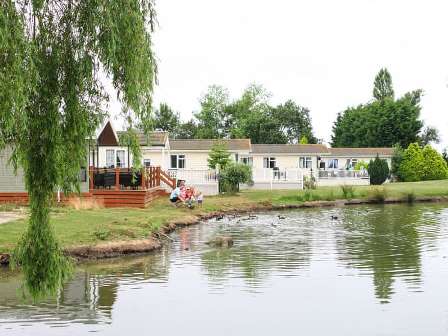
column 176, row 195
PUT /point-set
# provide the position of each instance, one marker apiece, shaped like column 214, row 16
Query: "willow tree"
column 54, row 55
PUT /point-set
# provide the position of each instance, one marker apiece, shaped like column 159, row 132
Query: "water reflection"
column 88, row 298
column 302, row 263
column 386, row 241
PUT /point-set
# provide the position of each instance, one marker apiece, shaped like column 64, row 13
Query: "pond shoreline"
column 156, row 241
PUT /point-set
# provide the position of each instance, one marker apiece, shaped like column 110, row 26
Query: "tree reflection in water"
column 386, row 241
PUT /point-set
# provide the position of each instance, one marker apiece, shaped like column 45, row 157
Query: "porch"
column 124, row 187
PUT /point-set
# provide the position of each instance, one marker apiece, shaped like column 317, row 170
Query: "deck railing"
column 194, row 176
column 277, row 175
column 124, row 178
column 341, row 174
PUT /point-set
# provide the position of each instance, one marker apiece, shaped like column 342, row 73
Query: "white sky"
column 323, row 54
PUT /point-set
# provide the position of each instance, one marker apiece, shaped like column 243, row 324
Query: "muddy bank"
column 156, row 241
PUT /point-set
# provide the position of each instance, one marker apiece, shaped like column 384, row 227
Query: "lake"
column 364, row 270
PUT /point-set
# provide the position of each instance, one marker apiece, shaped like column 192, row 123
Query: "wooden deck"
column 114, row 188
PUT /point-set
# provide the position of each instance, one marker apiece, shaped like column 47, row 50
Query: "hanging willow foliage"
column 53, row 55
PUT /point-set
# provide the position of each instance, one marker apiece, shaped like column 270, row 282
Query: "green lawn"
column 76, row 227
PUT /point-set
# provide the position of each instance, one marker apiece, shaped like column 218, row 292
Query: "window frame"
column 269, row 162
column 305, row 162
column 332, row 165
column 179, row 159
column 122, row 164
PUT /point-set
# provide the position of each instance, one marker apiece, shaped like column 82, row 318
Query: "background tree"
column 378, row 171
column 233, row 175
column 219, row 155
column 429, row 135
column 51, row 53
column 166, row 119
column 213, row 119
column 381, row 123
column 397, row 158
column 294, row 122
column 187, row 130
column 382, row 87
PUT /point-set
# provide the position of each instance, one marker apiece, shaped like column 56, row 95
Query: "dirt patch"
column 6, row 217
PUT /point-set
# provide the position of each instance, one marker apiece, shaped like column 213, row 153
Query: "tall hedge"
column 378, row 171
column 434, row 166
column 412, row 163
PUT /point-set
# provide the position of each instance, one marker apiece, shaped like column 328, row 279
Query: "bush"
column 434, row 166
column 378, row 171
column 348, row 191
column 362, row 165
column 411, row 166
column 309, row 182
column 234, row 174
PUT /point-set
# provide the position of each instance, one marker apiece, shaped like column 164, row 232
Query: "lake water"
column 373, row 270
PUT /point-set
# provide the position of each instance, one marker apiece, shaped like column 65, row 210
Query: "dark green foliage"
column 396, row 162
column 187, row 130
column 383, row 122
column 51, row 99
column 429, row 135
column 218, row 156
column 378, row 171
column 233, row 175
column 251, row 116
column 166, row 119
column 382, row 88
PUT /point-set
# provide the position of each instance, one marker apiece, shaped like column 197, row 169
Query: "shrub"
column 434, row 166
column 378, row 171
column 378, row 194
column 348, row 191
column 362, row 165
column 411, row 165
column 234, row 174
column 219, row 156
column 309, row 182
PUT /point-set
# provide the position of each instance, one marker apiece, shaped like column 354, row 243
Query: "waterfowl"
column 334, row 217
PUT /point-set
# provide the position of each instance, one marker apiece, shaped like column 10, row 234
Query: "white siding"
column 10, row 182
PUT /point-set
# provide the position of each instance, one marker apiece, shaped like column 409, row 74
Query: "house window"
column 333, row 164
column 353, row 163
column 147, row 163
column 178, row 161
column 110, row 158
column 120, row 159
column 269, row 162
column 305, row 162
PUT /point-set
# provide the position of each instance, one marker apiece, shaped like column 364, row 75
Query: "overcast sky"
column 323, row 54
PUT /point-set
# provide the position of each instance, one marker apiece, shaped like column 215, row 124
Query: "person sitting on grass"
column 176, row 195
column 189, row 197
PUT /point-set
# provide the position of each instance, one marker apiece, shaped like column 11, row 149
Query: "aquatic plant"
column 348, row 191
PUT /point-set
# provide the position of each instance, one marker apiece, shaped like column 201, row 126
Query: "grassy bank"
column 90, row 227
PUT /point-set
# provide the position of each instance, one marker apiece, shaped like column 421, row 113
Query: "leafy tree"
column 429, row 135
column 382, row 88
column 397, row 158
column 412, row 164
column 381, row 123
column 294, row 122
column 378, row 171
column 434, row 166
column 51, row 98
column 233, row 175
column 187, row 130
column 303, row 140
column 361, row 165
column 166, row 119
column 219, row 155
column 445, row 155
column 213, row 118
